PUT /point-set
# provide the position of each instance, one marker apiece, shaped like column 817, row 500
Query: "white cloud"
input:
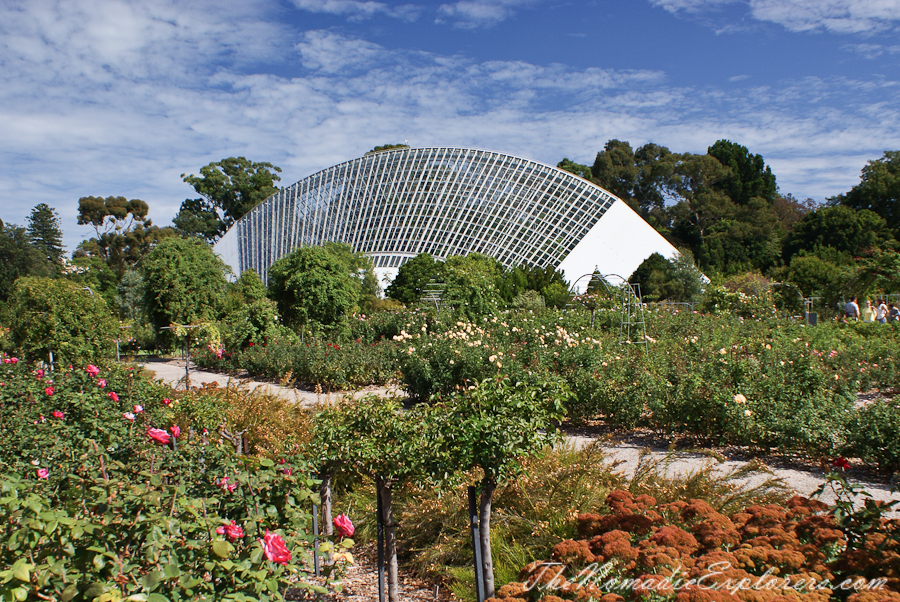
column 469, row 14
column 86, row 110
column 871, row 51
column 359, row 9
column 836, row 16
column 330, row 52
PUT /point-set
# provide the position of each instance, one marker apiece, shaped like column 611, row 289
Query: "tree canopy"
column 229, row 189
column 878, row 190
column 313, row 284
column 124, row 233
column 44, row 232
column 185, row 282
column 18, row 257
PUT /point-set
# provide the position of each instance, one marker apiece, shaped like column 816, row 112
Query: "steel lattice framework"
column 393, row 205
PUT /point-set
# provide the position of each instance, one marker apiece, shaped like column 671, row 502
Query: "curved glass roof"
column 393, row 205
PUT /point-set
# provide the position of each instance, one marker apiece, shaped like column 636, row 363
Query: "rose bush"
column 99, row 506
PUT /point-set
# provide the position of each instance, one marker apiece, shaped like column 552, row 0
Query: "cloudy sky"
column 121, row 97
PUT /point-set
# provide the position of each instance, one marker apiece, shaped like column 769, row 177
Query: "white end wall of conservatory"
column 617, row 244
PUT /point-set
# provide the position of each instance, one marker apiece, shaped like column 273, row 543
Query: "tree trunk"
column 327, row 476
column 484, row 517
column 390, row 539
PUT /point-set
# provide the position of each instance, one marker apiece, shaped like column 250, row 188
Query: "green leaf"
column 171, row 571
column 152, row 579
column 157, row 598
column 69, row 593
column 23, row 572
column 267, row 463
column 222, row 549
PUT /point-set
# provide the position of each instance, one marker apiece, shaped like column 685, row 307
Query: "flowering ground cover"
column 108, row 493
column 638, row 549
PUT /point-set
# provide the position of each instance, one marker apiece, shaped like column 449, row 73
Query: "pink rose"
column 235, row 532
column 275, row 549
column 128, row 416
column 58, row 414
column 92, row 370
column 288, row 472
column 13, row 360
column 43, row 419
column 343, row 525
column 167, row 401
column 176, row 432
column 49, row 391
column 220, row 530
column 113, row 396
column 101, row 383
column 39, row 373
column 159, row 435
column 137, row 409
column 43, row 473
column 226, row 486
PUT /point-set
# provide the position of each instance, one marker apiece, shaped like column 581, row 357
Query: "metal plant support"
column 631, row 326
column 632, row 330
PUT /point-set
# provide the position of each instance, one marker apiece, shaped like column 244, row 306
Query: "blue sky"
column 118, row 97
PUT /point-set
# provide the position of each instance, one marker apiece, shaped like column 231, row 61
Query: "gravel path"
column 171, row 372
column 624, row 453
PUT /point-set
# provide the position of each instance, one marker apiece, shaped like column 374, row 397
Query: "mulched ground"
column 361, row 583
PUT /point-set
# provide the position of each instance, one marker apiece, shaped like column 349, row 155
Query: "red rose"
column 343, row 525
column 159, row 435
column 275, row 549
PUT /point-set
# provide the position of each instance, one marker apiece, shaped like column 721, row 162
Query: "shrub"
column 874, row 434
column 185, row 282
column 638, row 548
column 59, row 316
column 103, row 499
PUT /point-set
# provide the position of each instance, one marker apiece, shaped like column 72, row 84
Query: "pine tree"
column 44, row 233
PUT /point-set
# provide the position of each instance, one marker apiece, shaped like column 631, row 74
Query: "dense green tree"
column 249, row 316
column 18, row 257
column 360, row 267
column 413, row 277
column 826, row 273
column 556, row 294
column 185, row 282
column 515, row 281
column 95, row 274
column 472, row 284
column 650, row 276
column 229, row 189
column 123, row 231
column 615, row 170
column 131, row 297
column 749, row 176
column 662, row 279
column 688, row 198
column 59, row 316
column 44, row 233
column 313, row 285
column 878, row 190
column 582, row 171
column 855, row 232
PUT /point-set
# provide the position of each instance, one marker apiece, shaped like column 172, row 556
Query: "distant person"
column 868, row 312
column 881, row 312
column 851, row 310
column 893, row 313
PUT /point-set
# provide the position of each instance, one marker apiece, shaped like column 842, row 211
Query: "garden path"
column 623, row 452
